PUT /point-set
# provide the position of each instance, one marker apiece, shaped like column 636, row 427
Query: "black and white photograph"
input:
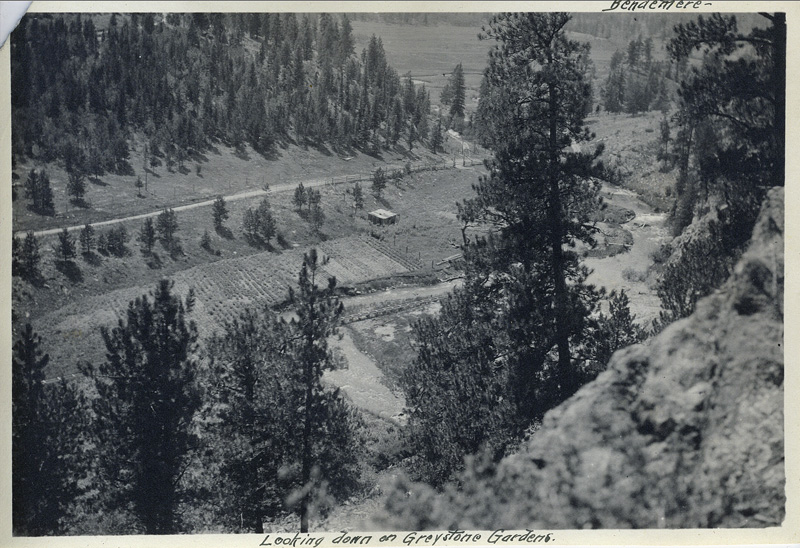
column 280, row 269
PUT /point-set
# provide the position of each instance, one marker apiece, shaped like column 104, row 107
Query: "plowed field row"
column 222, row 290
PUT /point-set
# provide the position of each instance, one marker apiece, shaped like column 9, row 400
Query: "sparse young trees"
column 146, row 397
column 315, row 212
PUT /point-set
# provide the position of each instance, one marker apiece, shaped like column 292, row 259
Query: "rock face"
column 683, row 432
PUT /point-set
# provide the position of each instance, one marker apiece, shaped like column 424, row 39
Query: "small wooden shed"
column 382, row 217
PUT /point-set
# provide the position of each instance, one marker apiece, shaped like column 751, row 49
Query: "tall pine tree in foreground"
column 146, row 398
column 524, row 296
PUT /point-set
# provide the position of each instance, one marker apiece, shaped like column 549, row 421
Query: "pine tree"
column 265, row 221
column 510, row 344
column 276, row 416
column 459, row 97
column 358, row 197
column 30, row 258
column 544, row 112
column 205, row 240
column 66, row 245
column 147, row 235
column 318, row 313
column 87, row 239
column 116, row 239
column 167, row 226
column 437, row 138
column 250, row 225
column 378, row 182
column 48, row 425
column 300, row 197
column 147, row 395
column 220, row 213
column 76, row 184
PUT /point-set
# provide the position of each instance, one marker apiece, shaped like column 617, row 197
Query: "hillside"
column 684, row 431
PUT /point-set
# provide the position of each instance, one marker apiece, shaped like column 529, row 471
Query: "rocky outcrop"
column 683, row 432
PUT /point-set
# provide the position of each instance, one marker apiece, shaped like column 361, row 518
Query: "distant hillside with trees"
column 86, row 88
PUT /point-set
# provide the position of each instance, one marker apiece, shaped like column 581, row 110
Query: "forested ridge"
column 84, row 93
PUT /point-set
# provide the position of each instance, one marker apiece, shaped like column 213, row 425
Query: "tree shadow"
column 70, row 270
column 241, row 153
column 97, row 181
column 225, row 232
column 80, row 202
column 151, row 172
column 92, row 258
column 271, row 154
column 383, row 201
column 183, row 170
column 153, row 260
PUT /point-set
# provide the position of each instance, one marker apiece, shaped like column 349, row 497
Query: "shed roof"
column 382, row 214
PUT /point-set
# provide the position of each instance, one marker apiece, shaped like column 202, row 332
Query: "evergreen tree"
column 278, row 423
column 250, row 225
column 147, row 235
column 220, row 212
column 16, row 256
column 66, row 245
column 457, row 85
column 39, row 191
column 30, row 258
column 116, row 239
column 378, row 182
column 146, row 398
column 266, row 221
column 87, row 239
column 167, row 226
column 437, row 138
column 544, row 114
column 300, row 197
column 358, row 197
column 318, row 313
column 205, row 240
column 48, row 425
column 525, row 309
column 76, row 184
